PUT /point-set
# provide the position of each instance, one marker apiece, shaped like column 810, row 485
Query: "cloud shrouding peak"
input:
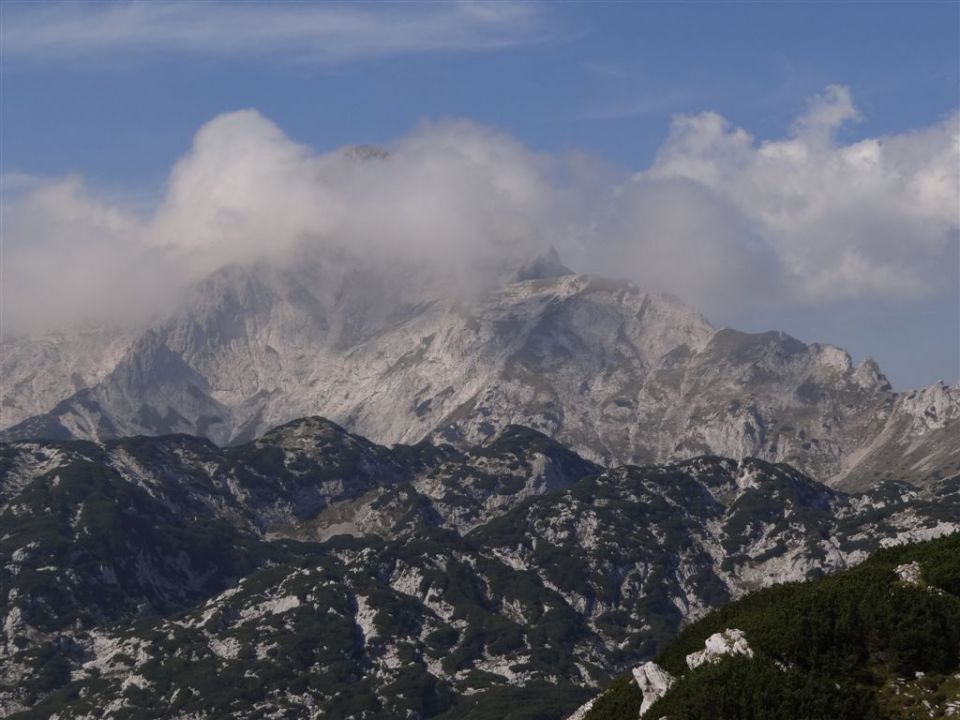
column 299, row 31
column 455, row 193
column 455, row 198
column 720, row 219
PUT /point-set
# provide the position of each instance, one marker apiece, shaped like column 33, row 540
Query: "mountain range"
column 323, row 488
column 314, row 573
column 620, row 375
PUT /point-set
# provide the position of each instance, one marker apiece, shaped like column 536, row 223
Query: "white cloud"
column 454, row 192
column 825, row 113
column 14, row 182
column 877, row 218
column 454, row 198
column 312, row 32
column 728, row 223
column 70, row 258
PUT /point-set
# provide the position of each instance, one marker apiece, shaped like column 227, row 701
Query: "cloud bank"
column 728, row 221
column 876, row 218
column 724, row 221
column 297, row 31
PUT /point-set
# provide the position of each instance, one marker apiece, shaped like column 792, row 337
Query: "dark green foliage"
column 742, row 689
column 635, row 511
column 52, row 670
column 836, row 624
column 103, row 549
column 135, row 554
column 536, row 701
column 823, row 648
column 622, row 699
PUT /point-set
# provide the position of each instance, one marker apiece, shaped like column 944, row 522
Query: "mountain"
column 618, row 374
column 314, row 572
column 878, row 641
column 40, row 371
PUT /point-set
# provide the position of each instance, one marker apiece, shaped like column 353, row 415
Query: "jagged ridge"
column 621, row 375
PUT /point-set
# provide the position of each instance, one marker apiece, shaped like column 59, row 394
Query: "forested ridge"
column 863, row 644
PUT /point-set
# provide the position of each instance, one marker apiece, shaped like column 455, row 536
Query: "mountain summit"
column 619, row 374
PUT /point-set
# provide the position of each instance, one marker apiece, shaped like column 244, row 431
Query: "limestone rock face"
column 909, row 573
column 653, row 682
column 581, row 712
column 720, row 645
column 616, row 373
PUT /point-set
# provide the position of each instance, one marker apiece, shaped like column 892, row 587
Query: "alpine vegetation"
column 878, row 641
column 314, row 572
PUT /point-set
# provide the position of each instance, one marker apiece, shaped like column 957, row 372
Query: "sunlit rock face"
column 618, row 374
column 720, row 645
column 653, row 682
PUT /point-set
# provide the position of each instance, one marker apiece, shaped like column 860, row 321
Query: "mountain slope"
column 167, row 572
column 620, row 375
column 879, row 641
column 38, row 372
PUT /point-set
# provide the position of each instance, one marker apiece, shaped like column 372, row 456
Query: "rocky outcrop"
column 581, row 712
column 720, row 645
column 909, row 573
column 653, row 682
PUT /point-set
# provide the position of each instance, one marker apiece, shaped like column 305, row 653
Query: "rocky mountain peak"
column 619, row 374
column 305, row 429
column 868, row 376
column 547, row 265
column 365, row 153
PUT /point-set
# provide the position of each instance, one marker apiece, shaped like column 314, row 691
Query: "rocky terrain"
column 878, row 641
column 314, row 573
column 617, row 374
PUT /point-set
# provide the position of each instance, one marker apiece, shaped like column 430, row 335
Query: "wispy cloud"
column 620, row 91
column 607, row 69
column 14, row 181
column 296, row 31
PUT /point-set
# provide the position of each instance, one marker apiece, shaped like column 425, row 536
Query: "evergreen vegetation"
column 847, row 647
column 162, row 575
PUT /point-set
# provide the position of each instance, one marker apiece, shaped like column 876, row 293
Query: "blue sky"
column 603, row 78
column 116, row 92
